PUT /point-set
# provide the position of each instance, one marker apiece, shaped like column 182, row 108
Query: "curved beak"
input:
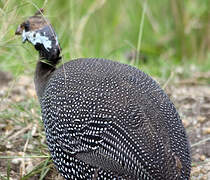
column 18, row 31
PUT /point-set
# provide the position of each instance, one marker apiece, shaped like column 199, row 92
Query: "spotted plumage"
column 107, row 120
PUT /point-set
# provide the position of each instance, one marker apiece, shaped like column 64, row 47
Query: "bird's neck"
column 46, row 65
column 43, row 73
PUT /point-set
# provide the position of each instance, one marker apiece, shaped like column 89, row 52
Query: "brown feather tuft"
column 39, row 12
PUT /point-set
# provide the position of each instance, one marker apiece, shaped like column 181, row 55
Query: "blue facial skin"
column 44, row 40
column 45, row 36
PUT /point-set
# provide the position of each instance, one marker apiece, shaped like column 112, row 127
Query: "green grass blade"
column 141, row 30
column 8, row 170
column 38, row 169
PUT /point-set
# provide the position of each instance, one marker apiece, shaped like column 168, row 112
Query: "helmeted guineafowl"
column 103, row 119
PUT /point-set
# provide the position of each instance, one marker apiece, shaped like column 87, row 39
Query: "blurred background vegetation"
column 175, row 36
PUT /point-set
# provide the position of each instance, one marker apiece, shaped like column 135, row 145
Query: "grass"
column 110, row 29
column 170, row 34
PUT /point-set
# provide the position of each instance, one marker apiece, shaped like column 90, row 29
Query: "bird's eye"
column 27, row 26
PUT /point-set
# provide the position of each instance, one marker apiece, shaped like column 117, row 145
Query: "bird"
column 104, row 119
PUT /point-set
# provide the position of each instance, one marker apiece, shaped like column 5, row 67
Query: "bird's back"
column 105, row 119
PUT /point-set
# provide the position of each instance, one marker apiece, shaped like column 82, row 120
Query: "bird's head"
column 38, row 31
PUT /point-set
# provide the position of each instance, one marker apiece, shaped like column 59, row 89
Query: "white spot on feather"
column 35, row 37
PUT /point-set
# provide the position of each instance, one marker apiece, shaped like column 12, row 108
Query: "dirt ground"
column 190, row 96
